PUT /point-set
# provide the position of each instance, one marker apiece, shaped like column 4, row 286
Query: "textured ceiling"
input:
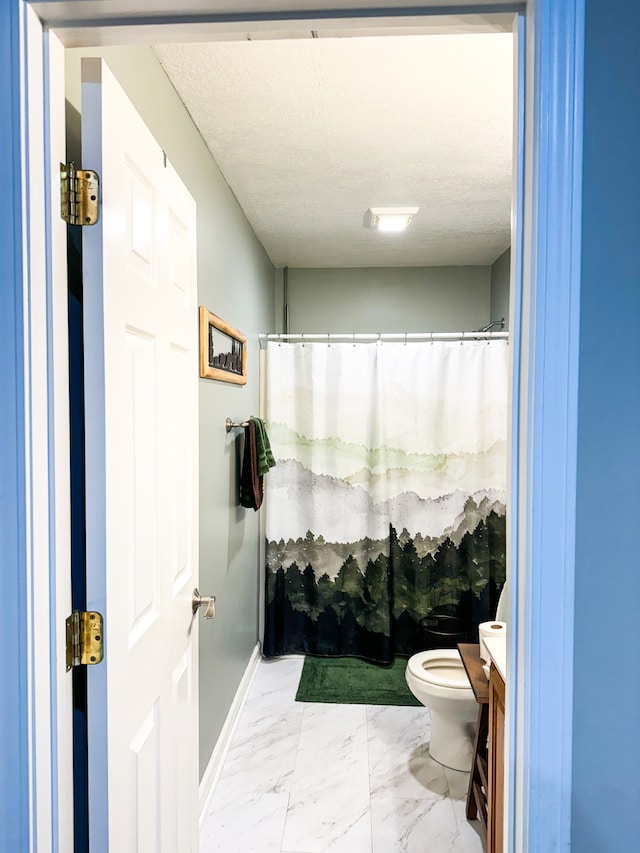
column 311, row 133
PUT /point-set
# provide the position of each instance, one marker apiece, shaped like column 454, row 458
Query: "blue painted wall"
column 13, row 676
column 606, row 747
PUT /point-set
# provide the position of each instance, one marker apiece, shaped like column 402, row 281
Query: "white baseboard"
column 212, row 772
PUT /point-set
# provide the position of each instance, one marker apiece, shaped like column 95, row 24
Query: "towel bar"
column 229, row 424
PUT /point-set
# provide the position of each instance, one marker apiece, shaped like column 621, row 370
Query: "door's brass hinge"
column 79, row 195
column 85, row 643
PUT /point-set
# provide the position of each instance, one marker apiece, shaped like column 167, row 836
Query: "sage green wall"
column 501, row 287
column 235, row 281
column 399, row 299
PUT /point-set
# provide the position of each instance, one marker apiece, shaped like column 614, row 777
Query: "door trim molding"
column 547, row 435
column 511, row 807
column 37, row 711
column 16, row 745
column 548, row 425
column 144, row 24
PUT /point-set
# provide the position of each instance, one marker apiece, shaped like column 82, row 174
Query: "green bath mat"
column 349, row 681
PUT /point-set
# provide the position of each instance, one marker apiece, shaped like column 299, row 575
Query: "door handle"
column 208, row 601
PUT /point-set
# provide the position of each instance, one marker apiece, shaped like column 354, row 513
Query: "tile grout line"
column 295, row 764
column 366, row 725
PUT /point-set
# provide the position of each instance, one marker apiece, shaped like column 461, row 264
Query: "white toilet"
column 437, row 679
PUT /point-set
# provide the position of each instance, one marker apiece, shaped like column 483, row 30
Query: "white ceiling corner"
column 311, row 133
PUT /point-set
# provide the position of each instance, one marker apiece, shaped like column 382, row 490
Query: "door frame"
column 36, row 711
column 544, row 444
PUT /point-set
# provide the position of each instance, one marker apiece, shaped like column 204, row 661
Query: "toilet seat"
column 441, row 667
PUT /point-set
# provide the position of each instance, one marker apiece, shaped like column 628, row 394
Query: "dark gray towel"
column 250, row 480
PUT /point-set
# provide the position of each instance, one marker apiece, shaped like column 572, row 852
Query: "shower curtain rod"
column 398, row 337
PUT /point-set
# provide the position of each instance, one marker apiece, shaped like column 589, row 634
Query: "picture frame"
column 223, row 350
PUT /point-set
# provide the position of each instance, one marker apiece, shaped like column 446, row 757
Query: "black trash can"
column 442, row 630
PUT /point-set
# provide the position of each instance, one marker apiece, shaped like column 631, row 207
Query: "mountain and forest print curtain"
column 387, row 502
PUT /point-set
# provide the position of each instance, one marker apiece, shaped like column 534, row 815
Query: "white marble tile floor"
column 315, row 778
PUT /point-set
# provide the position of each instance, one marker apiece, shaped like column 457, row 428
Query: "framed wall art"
column 223, row 350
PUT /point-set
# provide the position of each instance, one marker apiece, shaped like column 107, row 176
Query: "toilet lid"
column 443, row 667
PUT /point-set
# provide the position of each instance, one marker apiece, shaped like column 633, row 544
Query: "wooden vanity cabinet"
column 495, row 794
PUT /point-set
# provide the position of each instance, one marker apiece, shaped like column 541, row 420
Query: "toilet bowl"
column 437, row 679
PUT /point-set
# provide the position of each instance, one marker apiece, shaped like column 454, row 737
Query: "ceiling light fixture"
column 390, row 219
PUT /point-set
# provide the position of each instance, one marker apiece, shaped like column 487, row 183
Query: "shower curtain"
column 387, row 502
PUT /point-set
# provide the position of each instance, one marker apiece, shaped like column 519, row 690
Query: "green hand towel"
column 263, row 448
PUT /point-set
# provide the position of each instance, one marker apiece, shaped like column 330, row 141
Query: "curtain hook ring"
column 431, row 338
column 302, row 336
column 405, row 338
column 328, row 339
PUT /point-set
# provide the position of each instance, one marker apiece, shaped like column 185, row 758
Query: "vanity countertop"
column 497, row 648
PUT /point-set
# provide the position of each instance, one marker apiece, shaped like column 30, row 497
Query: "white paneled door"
column 141, row 384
